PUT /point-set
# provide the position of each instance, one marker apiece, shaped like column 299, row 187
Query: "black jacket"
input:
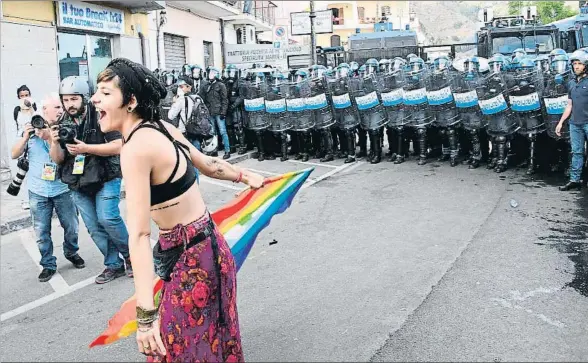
column 97, row 169
column 216, row 99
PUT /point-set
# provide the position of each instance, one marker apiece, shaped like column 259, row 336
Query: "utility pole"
column 312, row 34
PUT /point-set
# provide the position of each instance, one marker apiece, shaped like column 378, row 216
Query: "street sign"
column 323, row 22
column 277, row 44
column 280, row 31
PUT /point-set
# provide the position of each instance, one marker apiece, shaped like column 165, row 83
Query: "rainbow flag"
column 240, row 221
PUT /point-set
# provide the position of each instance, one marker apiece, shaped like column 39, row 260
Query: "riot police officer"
column 235, row 112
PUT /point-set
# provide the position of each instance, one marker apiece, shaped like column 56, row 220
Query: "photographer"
column 46, row 192
column 90, row 166
column 24, row 111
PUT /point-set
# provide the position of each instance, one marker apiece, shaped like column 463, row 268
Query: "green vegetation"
column 547, row 11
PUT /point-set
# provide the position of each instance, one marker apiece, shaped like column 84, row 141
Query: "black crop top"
column 161, row 193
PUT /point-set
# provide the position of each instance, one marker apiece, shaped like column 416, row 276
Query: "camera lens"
column 38, row 122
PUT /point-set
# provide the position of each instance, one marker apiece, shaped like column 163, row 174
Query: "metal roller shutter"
column 174, row 49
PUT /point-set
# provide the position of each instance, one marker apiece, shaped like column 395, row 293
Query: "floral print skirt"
column 198, row 308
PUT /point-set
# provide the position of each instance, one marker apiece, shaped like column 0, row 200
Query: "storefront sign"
column 84, row 16
column 261, row 53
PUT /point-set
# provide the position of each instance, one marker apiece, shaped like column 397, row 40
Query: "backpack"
column 198, row 124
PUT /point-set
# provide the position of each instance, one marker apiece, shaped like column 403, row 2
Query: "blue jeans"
column 196, row 144
column 41, row 213
column 221, row 123
column 104, row 223
column 578, row 135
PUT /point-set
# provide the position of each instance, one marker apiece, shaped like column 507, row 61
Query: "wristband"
column 239, row 178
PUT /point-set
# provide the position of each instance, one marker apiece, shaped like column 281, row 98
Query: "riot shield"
column 463, row 87
column 415, row 101
column 390, row 89
column 371, row 111
column 275, row 106
column 555, row 100
column 524, row 97
column 492, row 99
column 319, row 104
column 165, row 105
column 440, row 98
column 254, row 101
column 344, row 106
column 301, row 117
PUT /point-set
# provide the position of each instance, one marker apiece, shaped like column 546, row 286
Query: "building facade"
column 46, row 41
column 351, row 17
column 197, row 32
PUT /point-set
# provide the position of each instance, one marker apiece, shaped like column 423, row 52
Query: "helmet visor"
column 343, row 72
column 559, row 66
column 169, row 79
column 495, row 67
column 196, row 73
column 441, row 64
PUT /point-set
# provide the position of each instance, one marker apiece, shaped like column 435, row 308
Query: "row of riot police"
column 452, row 110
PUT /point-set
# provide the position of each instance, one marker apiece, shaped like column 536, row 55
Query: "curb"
column 15, row 225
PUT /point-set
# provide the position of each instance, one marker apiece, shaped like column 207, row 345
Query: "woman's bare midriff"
column 184, row 209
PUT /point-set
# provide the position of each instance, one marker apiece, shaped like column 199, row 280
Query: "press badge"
column 78, row 168
column 49, row 170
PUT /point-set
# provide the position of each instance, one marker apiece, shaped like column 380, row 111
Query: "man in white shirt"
column 179, row 108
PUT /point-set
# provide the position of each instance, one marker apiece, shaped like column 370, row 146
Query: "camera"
column 23, row 168
column 67, row 133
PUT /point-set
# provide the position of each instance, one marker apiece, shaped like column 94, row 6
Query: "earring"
column 129, row 109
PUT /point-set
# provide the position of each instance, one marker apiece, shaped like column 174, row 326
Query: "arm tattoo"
column 165, row 206
column 219, row 169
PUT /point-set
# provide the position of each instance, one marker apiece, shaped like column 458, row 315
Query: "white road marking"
column 326, row 175
column 312, row 164
column 28, row 240
column 46, row 299
column 262, row 171
column 353, row 166
column 214, row 182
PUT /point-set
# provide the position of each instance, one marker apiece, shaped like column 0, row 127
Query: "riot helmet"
column 497, row 63
column 398, row 64
column 542, row 63
column 277, row 79
column 371, row 66
column 354, row 67
column 170, row 79
column 555, row 52
column 519, row 53
column 74, row 85
column 317, row 71
column 441, row 63
column 343, row 70
column 560, row 64
column 385, row 65
column 361, row 71
column 187, row 70
column 301, row 75
column 197, row 72
column 259, row 78
column 579, row 55
column 231, row 72
column 411, row 56
column 213, row 74
column 526, row 64
column 416, row 65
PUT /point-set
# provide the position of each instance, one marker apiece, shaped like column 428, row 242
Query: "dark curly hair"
column 136, row 80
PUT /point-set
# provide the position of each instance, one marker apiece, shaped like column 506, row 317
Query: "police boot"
column 501, row 154
column 242, row 146
column 306, row 144
column 342, row 152
column 328, row 144
column 284, row 146
column 260, row 146
column 493, row 157
column 452, row 136
column 442, row 139
column 531, row 166
column 350, row 138
column 422, row 135
column 392, row 144
column 232, row 139
column 376, row 147
column 362, row 134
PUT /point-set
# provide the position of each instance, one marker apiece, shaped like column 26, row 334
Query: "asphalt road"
column 373, row 262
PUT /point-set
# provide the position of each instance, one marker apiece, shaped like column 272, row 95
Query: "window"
column 83, row 55
column 208, row 55
column 385, row 10
column 239, row 33
column 174, row 48
column 509, row 43
column 361, row 13
column 338, row 16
